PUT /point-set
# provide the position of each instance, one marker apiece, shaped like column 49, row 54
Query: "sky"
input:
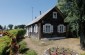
column 18, row 12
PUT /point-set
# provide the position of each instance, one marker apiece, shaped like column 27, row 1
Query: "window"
column 61, row 28
column 55, row 15
column 47, row 28
column 31, row 29
column 35, row 28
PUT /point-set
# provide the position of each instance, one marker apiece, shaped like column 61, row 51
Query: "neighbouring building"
column 47, row 25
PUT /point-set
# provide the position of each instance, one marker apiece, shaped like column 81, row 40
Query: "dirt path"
column 40, row 47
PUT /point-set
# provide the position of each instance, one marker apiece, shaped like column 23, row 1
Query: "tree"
column 20, row 26
column 75, row 15
column 81, row 8
column 4, row 27
column 1, row 27
column 10, row 26
column 15, row 27
column 70, row 11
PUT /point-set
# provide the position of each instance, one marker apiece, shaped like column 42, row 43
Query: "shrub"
column 14, row 31
column 18, row 33
column 21, row 33
column 22, row 48
column 30, row 52
column 4, row 42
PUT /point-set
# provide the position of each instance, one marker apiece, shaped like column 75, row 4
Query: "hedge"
column 18, row 33
column 4, row 42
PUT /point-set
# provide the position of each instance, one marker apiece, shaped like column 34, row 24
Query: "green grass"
column 23, row 46
column 30, row 52
column 4, row 42
column 83, row 54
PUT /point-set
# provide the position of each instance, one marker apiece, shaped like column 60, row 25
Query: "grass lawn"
column 40, row 46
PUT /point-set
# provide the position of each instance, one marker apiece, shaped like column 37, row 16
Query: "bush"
column 21, row 33
column 18, row 33
column 14, row 31
column 4, row 42
column 22, row 48
column 30, row 52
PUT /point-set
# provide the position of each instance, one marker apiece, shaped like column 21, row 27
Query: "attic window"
column 55, row 15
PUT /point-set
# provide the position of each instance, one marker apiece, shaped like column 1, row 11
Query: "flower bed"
column 59, row 51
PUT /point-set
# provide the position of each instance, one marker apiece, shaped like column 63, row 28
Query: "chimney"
column 40, row 12
column 35, row 17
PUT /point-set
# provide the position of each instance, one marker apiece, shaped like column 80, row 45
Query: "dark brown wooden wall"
column 49, row 19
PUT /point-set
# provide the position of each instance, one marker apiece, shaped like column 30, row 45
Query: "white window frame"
column 55, row 15
column 61, row 28
column 36, row 28
column 31, row 29
column 45, row 30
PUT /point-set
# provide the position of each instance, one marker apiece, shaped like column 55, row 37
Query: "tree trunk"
column 81, row 30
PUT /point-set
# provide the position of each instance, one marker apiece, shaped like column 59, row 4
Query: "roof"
column 40, row 17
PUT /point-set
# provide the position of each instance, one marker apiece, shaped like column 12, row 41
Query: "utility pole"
column 32, row 13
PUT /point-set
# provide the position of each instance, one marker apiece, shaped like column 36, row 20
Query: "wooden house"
column 48, row 25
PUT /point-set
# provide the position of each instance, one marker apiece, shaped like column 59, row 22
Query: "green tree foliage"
column 81, row 8
column 75, row 15
column 10, row 26
column 4, row 27
column 16, row 27
column 1, row 27
column 20, row 26
column 69, row 8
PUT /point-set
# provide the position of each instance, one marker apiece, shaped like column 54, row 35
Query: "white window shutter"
column 58, row 28
column 36, row 28
column 51, row 29
column 64, row 29
column 31, row 29
column 27, row 30
column 44, row 28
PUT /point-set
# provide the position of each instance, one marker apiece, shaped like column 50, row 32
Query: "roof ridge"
column 40, row 16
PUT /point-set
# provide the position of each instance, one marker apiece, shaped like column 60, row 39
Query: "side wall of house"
column 33, row 31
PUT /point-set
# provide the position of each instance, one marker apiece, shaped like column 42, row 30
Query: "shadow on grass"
column 24, row 50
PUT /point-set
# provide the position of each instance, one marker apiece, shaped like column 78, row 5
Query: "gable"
column 47, row 13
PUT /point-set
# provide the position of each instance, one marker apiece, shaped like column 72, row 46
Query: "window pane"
column 54, row 14
column 47, row 28
column 62, row 27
